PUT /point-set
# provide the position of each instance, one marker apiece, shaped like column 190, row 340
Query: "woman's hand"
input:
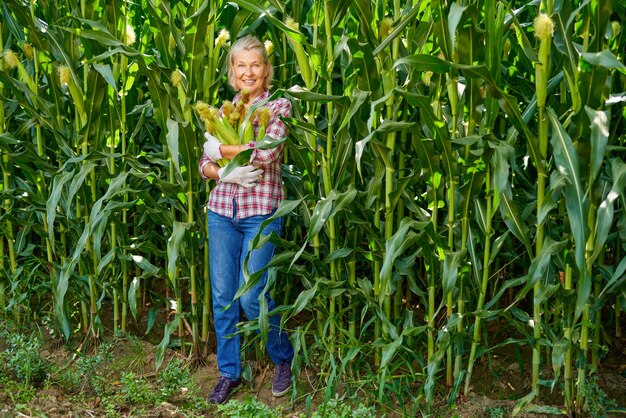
column 212, row 147
column 246, row 176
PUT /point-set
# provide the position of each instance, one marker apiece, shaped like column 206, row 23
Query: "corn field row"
column 451, row 167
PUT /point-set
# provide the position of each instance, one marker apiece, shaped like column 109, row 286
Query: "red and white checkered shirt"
column 268, row 193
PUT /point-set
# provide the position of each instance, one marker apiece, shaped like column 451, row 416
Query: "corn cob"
column 544, row 28
column 263, row 114
column 216, row 125
column 301, row 56
column 13, row 61
column 238, row 115
column 246, row 130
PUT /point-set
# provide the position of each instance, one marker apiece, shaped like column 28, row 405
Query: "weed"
column 88, row 369
column 18, row 392
column 111, row 408
column 342, row 408
column 496, row 412
column 597, row 401
column 249, row 407
column 174, row 379
column 134, row 359
column 21, row 360
column 136, row 390
column 70, row 380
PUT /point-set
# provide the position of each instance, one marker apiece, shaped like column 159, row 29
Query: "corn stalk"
column 6, row 186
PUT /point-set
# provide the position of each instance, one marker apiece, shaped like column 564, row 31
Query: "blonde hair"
column 249, row 43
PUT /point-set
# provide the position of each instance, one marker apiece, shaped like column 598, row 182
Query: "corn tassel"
column 263, row 115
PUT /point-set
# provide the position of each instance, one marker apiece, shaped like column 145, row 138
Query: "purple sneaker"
column 222, row 390
column 282, row 379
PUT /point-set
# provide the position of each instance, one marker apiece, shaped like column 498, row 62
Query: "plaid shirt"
column 268, row 193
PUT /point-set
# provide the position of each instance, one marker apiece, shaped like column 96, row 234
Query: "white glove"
column 245, row 176
column 212, row 147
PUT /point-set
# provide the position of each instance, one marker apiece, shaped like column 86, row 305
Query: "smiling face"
column 250, row 72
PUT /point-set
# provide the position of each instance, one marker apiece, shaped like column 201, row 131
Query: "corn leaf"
column 389, row 350
column 599, row 124
column 174, row 246
column 257, row 8
column 605, row 59
column 513, row 220
column 451, row 265
column 539, row 266
column 132, row 296
column 576, row 202
column 604, row 216
column 58, row 183
column 165, row 342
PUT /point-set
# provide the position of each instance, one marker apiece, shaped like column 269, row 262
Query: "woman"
column 240, row 202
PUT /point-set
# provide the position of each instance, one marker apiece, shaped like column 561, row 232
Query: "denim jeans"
column 228, row 247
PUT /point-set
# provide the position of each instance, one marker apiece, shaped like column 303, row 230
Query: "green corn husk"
column 246, row 131
column 216, row 125
column 544, row 28
column 301, row 56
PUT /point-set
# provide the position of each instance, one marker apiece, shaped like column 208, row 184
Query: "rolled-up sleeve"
column 204, row 160
column 281, row 108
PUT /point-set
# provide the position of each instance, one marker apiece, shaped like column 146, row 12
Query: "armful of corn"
column 233, row 127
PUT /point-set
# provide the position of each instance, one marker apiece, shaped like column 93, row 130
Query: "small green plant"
column 249, row 407
column 343, row 408
column 89, row 370
column 136, row 390
column 597, row 402
column 18, row 392
column 174, row 379
column 136, row 359
column 110, row 406
column 70, row 380
column 496, row 412
column 22, row 360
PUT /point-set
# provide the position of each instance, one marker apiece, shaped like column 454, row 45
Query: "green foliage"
column 21, row 361
column 249, row 407
column 497, row 412
column 94, row 376
column 342, row 408
column 23, row 371
column 173, row 379
column 111, row 408
column 17, row 392
column 597, row 402
column 71, row 380
column 137, row 358
column 136, row 390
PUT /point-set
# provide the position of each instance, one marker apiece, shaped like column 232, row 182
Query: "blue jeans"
column 228, row 247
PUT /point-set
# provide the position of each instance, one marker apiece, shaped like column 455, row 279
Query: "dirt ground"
column 500, row 380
